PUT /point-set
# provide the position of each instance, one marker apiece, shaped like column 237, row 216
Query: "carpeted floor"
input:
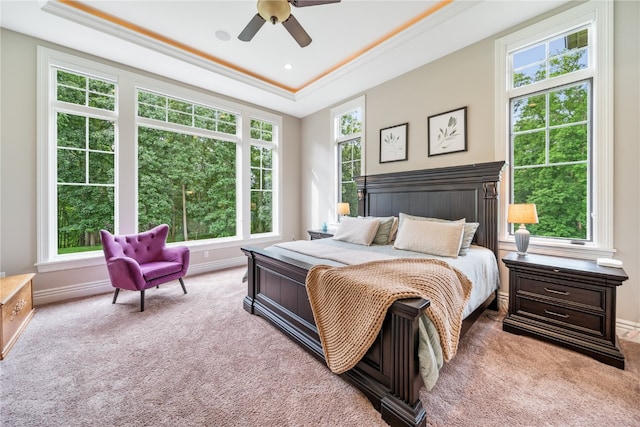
column 201, row 360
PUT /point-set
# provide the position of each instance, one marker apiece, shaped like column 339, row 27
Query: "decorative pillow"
column 384, row 230
column 430, row 237
column 357, row 230
column 394, row 229
column 470, row 228
column 467, row 237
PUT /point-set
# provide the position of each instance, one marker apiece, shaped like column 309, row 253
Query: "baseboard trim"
column 81, row 290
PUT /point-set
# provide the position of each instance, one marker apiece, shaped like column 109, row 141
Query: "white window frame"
column 276, row 200
column 126, row 158
column 598, row 16
column 336, row 138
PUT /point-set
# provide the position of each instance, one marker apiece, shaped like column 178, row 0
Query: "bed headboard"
column 469, row 191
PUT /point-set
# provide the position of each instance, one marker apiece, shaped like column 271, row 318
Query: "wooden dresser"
column 16, row 306
column 566, row 301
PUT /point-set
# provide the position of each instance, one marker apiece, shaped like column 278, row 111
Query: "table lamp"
column 343, row 209
column 522, row 214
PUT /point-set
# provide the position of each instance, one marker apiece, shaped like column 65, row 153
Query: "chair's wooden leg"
column 115, row 295
column 182, row 283
column 142, row 300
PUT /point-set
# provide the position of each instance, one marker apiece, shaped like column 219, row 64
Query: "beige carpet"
column 201, row 360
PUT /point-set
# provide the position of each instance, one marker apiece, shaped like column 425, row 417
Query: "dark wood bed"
column 389, row 374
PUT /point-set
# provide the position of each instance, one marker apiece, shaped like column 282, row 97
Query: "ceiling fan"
column 276, row 11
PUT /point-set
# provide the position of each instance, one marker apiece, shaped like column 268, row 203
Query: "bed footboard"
column 388, row 375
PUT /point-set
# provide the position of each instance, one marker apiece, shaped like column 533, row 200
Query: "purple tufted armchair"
column 141, row 261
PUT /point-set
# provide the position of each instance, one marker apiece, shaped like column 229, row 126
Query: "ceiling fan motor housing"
column 274, row 11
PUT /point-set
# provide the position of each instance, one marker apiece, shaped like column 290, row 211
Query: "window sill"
column 561, row 250
column 96, row 258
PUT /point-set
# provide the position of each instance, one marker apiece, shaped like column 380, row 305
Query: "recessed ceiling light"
column 223, row 35
column 288, row 66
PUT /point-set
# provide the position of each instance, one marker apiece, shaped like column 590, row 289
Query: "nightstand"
column 566, row 301
column 319, row 234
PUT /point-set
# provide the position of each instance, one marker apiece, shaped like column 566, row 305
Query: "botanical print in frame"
column 393, row 143
column 447, row 132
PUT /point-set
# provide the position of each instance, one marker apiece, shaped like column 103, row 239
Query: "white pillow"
column 357, row 230
column 384, row 230
column 430, row 237
column 469, row 228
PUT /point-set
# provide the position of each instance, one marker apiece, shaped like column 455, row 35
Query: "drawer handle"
column 564, row 316
column 553, row 291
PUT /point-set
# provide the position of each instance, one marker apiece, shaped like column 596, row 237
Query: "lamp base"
column 522, row 240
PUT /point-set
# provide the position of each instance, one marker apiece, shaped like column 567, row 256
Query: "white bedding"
column 479, row 265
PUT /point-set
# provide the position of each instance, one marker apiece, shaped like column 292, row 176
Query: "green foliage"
column 551, row 146
column 202, row 171
column 350, row 158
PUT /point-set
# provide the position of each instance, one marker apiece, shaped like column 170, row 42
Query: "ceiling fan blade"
column 303, row 3
column 252, row 28
column 295, row 29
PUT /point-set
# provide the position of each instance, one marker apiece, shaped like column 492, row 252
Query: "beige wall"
column 466, row 78
column 18, row 178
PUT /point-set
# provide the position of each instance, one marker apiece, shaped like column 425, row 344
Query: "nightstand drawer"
column 561, row 316
column 560, row 291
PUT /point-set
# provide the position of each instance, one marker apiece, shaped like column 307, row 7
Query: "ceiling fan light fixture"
column 274, row 11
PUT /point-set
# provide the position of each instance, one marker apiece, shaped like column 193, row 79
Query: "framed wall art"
column 393, row 143
column 447, row 132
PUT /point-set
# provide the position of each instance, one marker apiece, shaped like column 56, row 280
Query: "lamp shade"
column 343, row 209
column 525, row 213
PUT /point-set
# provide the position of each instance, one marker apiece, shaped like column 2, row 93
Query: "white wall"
column 18, row 180
column 466, row 78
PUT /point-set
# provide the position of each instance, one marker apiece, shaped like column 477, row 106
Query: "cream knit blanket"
column 350, row 303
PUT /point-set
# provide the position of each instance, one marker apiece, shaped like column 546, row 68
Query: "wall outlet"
column 1, row 274
column 205, row 254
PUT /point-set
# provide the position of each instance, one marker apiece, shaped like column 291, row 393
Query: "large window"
column 85, row 142
column 125, row 152
column 194, row 148
column 262, row 149
column 348, row 123
column 558, row 130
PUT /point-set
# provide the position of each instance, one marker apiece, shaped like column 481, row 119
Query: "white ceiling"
column 357, row 44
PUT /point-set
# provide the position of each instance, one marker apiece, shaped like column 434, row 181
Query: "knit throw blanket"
column 350, row 303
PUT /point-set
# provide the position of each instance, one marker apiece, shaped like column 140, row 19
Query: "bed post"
column 402, row 405
column 247, row 303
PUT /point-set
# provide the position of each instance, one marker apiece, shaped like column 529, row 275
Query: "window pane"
column 172, row 110
column 261, row 130
column 530, row 56
column 569, row 105
column 261, row 189
column 84, row 90
column 71, row 166
column 101, row 168
column 529, row 149
column 551, row 163
column 101, row 135
column 561, row 55
column 82, row 212
column 71, row 130
column 568, row 144
column 173, row 167
column 255, row 179
column 560, row 195
column 569, row 42
column 529, row 113
column 349, row 168
column 261, row 215
column 350, row 123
